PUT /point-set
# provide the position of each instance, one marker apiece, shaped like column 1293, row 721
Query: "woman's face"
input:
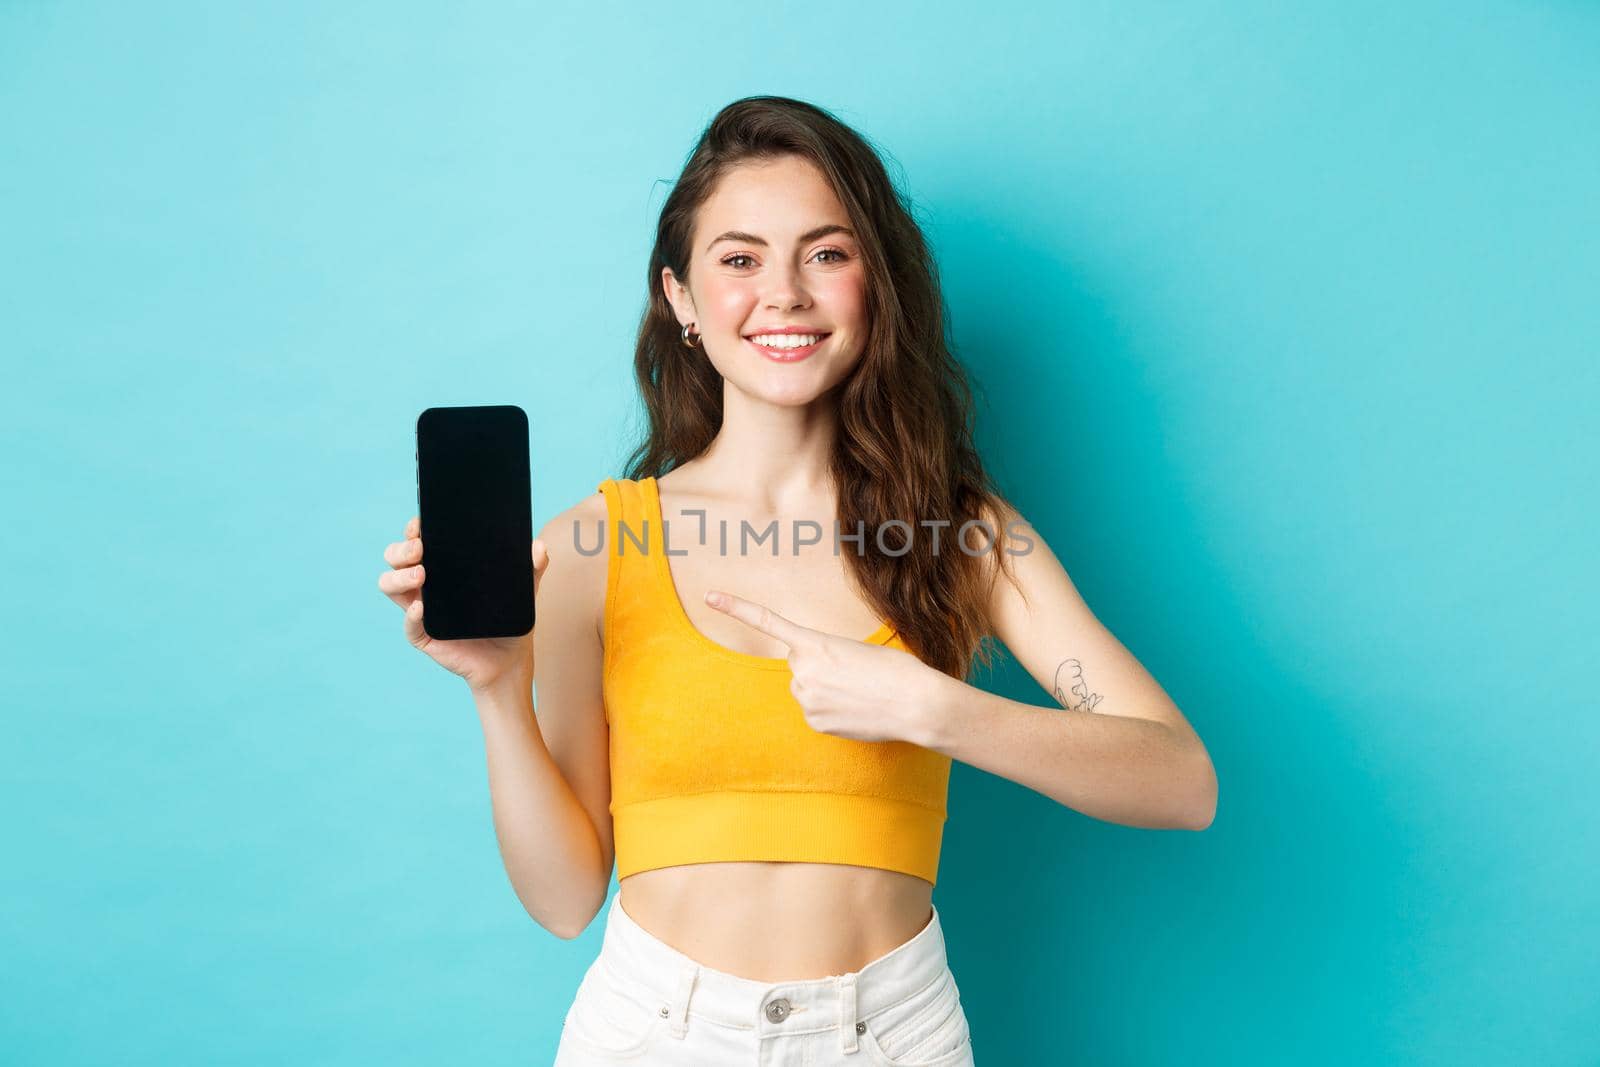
column 773, row 249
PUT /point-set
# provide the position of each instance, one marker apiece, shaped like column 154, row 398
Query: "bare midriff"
column 779, row 922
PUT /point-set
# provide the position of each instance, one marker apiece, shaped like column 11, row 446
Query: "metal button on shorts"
column 778, row 1010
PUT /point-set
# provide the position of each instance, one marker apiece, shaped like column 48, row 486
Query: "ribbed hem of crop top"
column 711, row 757
column 863, row 831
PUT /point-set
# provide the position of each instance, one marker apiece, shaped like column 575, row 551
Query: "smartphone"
column 475, row 505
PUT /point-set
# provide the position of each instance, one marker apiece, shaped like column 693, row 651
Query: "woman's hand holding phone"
column 482, row 663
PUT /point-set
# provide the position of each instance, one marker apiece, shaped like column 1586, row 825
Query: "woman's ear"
column 678, row 296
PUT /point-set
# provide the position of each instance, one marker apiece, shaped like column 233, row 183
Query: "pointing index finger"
column 761, row 617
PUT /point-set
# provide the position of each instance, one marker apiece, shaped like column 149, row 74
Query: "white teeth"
column 786, row 340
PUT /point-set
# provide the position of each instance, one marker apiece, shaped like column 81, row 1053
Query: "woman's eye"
column 731, row 260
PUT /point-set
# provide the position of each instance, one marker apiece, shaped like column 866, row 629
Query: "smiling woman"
column 770, row 788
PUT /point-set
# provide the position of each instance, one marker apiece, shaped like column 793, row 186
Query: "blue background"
column 1286, row 326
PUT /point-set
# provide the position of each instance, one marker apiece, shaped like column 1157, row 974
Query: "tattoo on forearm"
column 1070, row 690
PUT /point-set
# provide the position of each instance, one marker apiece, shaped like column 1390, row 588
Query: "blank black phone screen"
column 475, row 505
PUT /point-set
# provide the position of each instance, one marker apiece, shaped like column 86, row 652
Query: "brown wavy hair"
column 904, row 449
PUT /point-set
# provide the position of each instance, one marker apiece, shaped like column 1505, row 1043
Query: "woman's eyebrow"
column 809, row 235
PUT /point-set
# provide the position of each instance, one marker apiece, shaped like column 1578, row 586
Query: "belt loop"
column 847, row 1012
column 680, row 1000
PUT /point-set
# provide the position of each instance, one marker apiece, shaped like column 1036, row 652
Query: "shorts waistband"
column 687, row 988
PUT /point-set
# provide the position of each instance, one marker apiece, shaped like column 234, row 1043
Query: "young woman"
column 751, row 699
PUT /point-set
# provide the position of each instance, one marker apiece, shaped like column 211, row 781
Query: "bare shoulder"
column 591, row 509
column 572, row 534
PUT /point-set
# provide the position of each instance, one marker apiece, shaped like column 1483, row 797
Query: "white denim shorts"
column 644, row 1002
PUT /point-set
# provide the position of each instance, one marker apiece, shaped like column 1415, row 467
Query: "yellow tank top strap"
column 622, row 508
column 633, row 592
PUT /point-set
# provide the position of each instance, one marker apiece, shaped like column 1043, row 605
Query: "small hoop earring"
column 686, row 342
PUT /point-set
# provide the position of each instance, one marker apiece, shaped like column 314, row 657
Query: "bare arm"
column 549, row 771
column 1116, row 749
column 1120, row 768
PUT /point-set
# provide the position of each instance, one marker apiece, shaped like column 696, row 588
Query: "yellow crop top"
column 711, row 756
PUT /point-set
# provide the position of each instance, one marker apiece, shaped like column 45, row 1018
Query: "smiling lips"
column 787, row 347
